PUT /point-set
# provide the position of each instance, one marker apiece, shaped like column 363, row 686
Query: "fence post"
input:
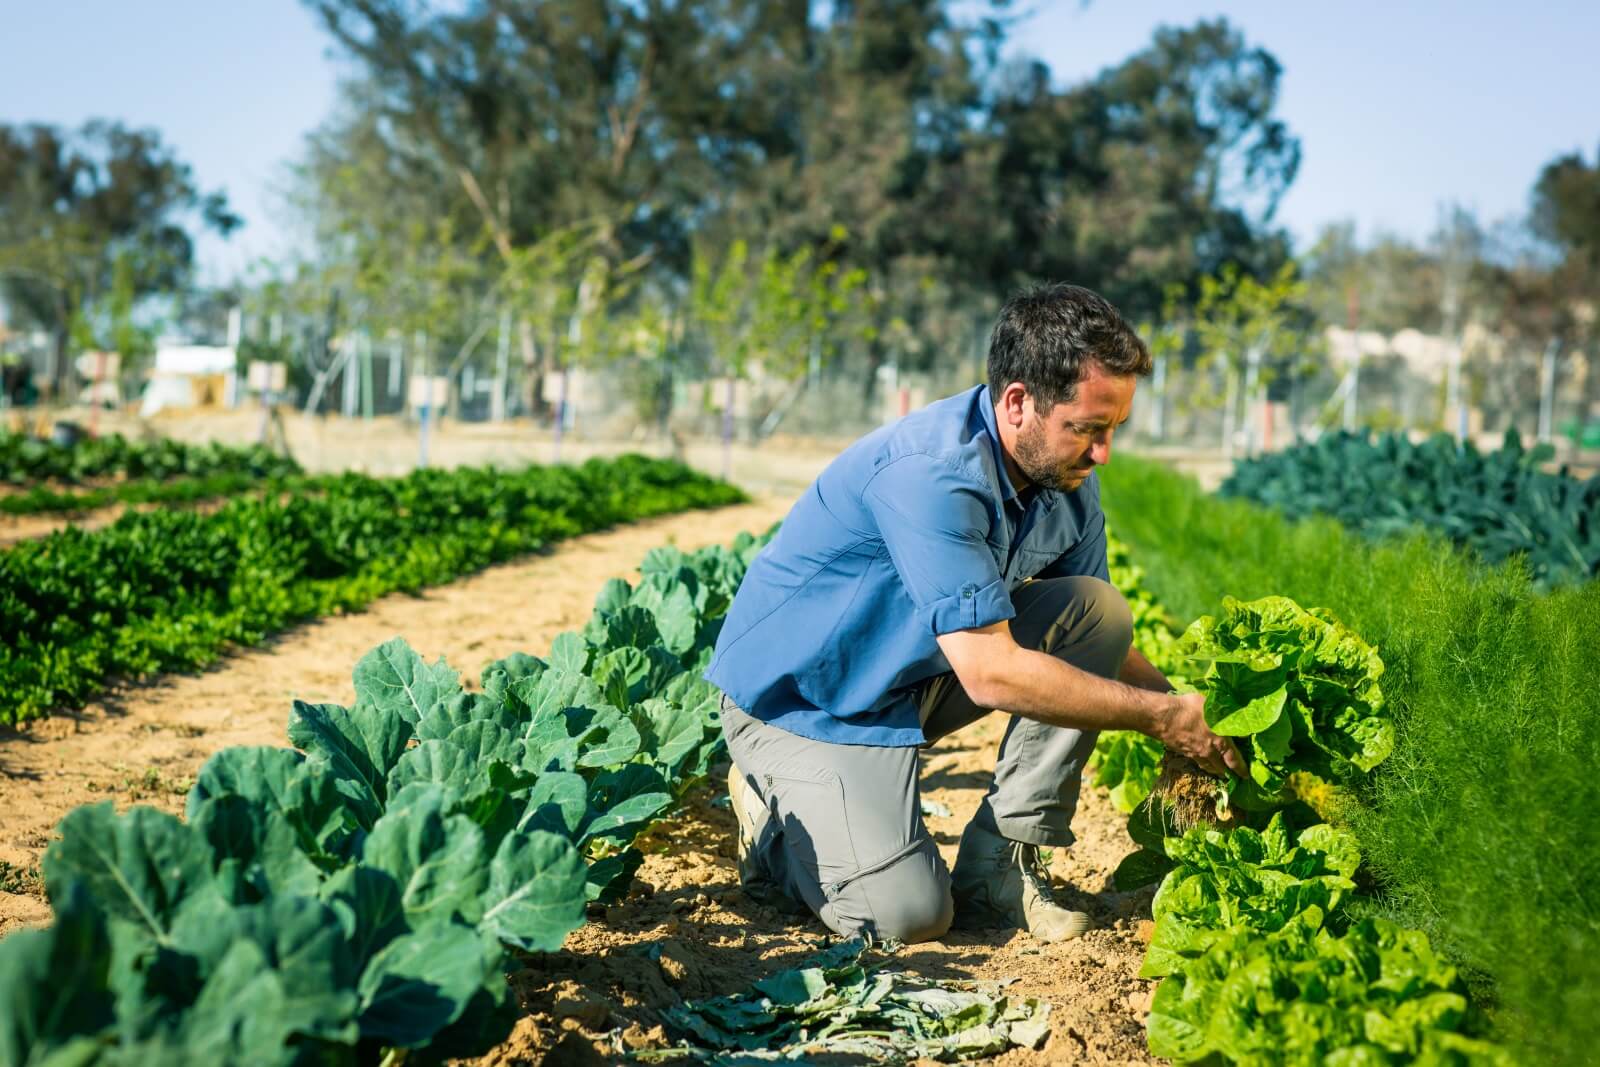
column 727, row 431
column 366, row 375
column 396, row 357
column 1229, row 412
column 427, row 400
column 1547, row 389
column 1252, row 402
column 1453, row 405
column 351, row 380
column 502, row 369
column 1350, row 394
column 561, row 411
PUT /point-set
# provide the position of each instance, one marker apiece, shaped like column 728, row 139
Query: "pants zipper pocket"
column 835, row 888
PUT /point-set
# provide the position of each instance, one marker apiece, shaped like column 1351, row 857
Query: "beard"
column 1042, row 468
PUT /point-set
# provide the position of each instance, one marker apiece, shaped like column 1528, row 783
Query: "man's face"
column 1058, row 448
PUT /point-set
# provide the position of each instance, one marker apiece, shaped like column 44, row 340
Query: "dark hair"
column 1047, row 336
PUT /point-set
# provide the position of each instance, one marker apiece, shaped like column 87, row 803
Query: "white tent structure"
column 181, row 374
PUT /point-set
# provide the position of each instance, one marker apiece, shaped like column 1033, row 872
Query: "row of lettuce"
column 27, row 461
column 1479, row 828
column 171, row 589
column 360, row 893
column 1260, row 939
column 1498, row 504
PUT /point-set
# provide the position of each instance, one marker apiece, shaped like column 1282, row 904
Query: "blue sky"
column 1400, row 106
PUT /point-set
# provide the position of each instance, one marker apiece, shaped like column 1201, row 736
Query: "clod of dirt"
column 574, row 1050
column 674, row 961
column 572, row 1001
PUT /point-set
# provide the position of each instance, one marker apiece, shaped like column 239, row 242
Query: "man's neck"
column 1019, row 481
column 1008, row 440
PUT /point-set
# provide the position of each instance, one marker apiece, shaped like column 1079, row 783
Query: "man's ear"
column 1014, row 404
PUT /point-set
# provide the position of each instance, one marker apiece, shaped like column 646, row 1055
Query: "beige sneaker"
column 745, row 805
column 752, row 815
column 995, row 878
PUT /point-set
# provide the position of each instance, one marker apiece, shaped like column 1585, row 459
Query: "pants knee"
column 1118, row 614
column 908, row 901
column 1107, row 609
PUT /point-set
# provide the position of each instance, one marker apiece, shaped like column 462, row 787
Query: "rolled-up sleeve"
column 935, row 521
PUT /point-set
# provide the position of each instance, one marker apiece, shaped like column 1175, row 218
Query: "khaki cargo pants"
column 841, row 828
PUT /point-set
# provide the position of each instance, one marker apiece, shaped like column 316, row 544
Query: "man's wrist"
column 1159, row 710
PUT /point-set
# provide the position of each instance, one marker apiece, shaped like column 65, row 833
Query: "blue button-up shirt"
column 912, row 532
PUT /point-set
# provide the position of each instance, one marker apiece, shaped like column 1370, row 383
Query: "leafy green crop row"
column 1500, row 504
column 356, row 896
column 1262, row 964
column 28, row 460
column 41, row 500
column 171, row 589
column 1479, row 828
column 1126, row 763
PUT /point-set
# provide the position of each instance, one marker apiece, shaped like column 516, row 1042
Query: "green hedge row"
column 1482, row 825
column 1500, row 504
column 170, row 590
column 28, row 460
column 43, row 500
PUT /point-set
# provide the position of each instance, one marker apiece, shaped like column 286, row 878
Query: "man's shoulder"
column 947, row 434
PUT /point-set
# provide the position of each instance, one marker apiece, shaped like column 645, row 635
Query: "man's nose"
column 1100, row 449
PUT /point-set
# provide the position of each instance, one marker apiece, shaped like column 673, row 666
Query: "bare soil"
column 14, row 528
column 687, row 929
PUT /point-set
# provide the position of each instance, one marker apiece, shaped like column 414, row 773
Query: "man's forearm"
column 1140, row 672
column 1039, row 686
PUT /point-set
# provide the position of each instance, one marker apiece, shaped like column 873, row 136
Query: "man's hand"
column 1185, row 732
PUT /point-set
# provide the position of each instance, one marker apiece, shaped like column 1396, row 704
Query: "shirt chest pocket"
column 1026, row 563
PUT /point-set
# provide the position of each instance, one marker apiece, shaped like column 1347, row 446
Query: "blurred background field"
column 612, row 224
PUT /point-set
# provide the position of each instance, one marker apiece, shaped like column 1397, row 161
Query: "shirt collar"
column 1046, row 497
column 986, row 409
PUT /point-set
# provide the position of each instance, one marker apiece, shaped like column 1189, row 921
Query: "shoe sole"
column 738, row 797
column 974, row 915
column 756, row 884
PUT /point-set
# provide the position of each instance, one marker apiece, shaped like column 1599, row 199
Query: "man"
column 949, row 564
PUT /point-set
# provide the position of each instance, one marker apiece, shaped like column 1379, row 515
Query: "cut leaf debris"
column 845, row 1002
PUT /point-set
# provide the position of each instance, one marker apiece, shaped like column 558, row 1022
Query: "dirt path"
column 687, row 930
column 145, row 743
